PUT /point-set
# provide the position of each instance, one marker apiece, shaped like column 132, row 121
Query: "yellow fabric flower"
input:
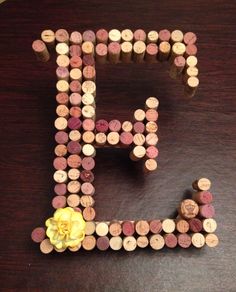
column 66, row 228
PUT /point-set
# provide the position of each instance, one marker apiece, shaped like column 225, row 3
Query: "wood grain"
column 197, row 139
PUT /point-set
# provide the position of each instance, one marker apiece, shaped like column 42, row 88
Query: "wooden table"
column 197, row 138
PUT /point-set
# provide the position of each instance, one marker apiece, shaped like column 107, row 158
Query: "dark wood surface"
column 197, row 138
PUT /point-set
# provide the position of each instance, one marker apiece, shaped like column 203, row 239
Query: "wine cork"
column 88, row 60
column 101, row 51
column 76, row 74
column 209, row 225
column 191, row 50
column 155, row 226
column 76, row 38
column 168, row 225
column 62, row 98
column 140, row 35
column 139, row 49
column 113, row 138
column 88, row 125
column 126, row 52
column 60, row 150
column 195, row 225
column 60, row 163
column 182, row 226
column 38, row 234
column 103, row 243
column 102, row 229
column 137, row 153
column 74, row 147
column 75, row 99
column 73, row 174
column 60, row 189
column 89, row 86
column 114, row 50
column 89, row 213
column 191, row 86
column 142, row 241
column 114, row 35
column 87, row 176
column 73, row 200
column 177, row 67
column 128, row 228
column 164, row 51
column 142, row 227
column 127, row 126
column 60, row 176
column 62, row 49
column 73, row 187
column 87, row 201
column 156, row 241
column 151, row 103
column 62, row 111
column 164, row 35
column 152, row 36
column 115, row 228
column 127, row 35
column 114, row 125
column 60, row 123
column 191, row 61
column 100, row 139
column 176, row 36
column 76, row 111
column 198, row 240
column 139, row 115
column 89, row 242
column 90, row 228
column 150, row 165
column 139, row 139
column 211, row 240
column 48, row 37
column 76, row 248
column 88, row 48
column 75, row 51
column 89, row 73
column 206, row 211
column 45, row 246
column 139, row 127
column 88, row 150
column 88, row 163
column 59, row 202
column 170, row 240
column 102, row 126
column 88, row 112
column 63, row 61
column 151, row 115
column 62, row 73
column 74, row 161
column 62, row 36
column 102, row 36
column 203, row 184
column 152, row 152
column 151, row 53
column 40, row 50
column 61, row 137
column 151, row 139
column 75, row 86
column 184, row 240
column 89, row 35
column 126, row 138
column 151, row 127
column 76, row 62
column 129, row 243
column 190, row 38
column 88, row 137
column 190, row 72
column 188, row 209
column 62, row 86
column 178, row 49
column 116, row 243
column 87, row 189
